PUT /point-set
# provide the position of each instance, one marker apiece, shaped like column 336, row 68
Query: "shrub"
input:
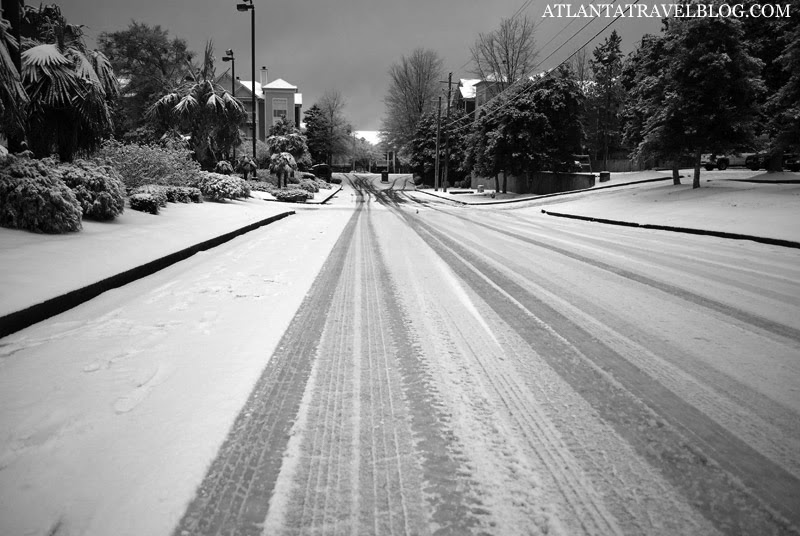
column 223, row 167
column 144, row 203
column 156, row 191
column 264, row 175
column 291, row 195
column 260, row 186
column 308, row 185
column 149, row 164
column 183, row 194
column 322, row 184
column 218, row 187
column 33, row 199
column 99, row 189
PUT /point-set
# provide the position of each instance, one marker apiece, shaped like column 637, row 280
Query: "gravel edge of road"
column 19, row 320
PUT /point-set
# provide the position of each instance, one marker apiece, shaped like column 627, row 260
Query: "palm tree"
column 69, row 86
column 202, row 109
column 13, row 99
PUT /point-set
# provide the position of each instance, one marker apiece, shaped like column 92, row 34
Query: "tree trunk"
column 496, row 182
column 676, row 174
column 696, row 179
column 505, row 181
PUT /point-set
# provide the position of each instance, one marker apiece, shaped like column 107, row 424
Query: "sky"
column 346, row 45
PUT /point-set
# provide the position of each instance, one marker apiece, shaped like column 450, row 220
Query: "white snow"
column 36, row 267
column 724, row 202
column 111, row 412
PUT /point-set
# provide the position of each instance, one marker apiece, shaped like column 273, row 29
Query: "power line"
column 547, row 58
column 521, row 8
column 522, row 92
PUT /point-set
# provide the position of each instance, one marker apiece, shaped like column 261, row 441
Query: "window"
column 280, row 108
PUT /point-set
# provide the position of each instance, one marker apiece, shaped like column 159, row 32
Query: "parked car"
column 791, row 162
column 323, row 171
column 712, row 161
column 755, row 162
column 758, row 161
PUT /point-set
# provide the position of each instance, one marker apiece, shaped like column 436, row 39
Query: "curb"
column 686, row 230
column 329, row 197
column 544, row 196
column 16, row 321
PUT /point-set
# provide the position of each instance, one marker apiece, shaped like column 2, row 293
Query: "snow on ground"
column 162, row 366
column 726, row 201
column 116, row 407
column 734, row 206
column 36, row 267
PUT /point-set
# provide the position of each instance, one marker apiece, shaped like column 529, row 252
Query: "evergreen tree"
column 316, row 130
column 605, row 97
column 704, row 92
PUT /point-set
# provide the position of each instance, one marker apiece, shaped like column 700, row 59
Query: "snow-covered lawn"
column 36, row 267
column 757, row 209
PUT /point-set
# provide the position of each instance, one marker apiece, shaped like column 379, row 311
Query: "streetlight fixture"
column 228, row 57
column 250, row 6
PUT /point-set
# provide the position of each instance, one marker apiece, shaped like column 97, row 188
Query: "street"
column 392, row 363
column 458, row 371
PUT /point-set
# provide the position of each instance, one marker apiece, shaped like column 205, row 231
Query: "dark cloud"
column 346, row 45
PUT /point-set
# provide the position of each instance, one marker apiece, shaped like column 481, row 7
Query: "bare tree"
column 331, row 105
column 579, row 63
column 414, row 85
column 506, row 54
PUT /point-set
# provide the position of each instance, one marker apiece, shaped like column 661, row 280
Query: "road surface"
column 480, row 371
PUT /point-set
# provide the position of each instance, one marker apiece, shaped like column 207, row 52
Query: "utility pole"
column 438, row 126
column 447, row 133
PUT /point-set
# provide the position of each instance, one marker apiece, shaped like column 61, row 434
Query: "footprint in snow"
column 128, row 402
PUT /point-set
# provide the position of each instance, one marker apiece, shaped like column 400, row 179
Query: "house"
column 282, row 100
column 465, row 96
column 273, row 100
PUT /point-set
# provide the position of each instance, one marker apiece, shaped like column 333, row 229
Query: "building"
column 282, row 100
column 465, row 96
column 273, row 100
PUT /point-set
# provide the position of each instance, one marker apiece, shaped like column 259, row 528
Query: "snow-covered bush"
column 99, row 189
column 291, row 195
column 183, row 194
column 223, row 167
column 34, row 199
column 144, row 203
column 309, row 185
column 156, row 191
column 149, row 164
column 261, row 186
column 218, row 187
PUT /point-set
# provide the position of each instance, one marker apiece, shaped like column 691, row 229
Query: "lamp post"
column 249, row 6
column 228, row 57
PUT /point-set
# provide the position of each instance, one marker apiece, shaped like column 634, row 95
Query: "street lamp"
column 228, row 57
column 249, row 6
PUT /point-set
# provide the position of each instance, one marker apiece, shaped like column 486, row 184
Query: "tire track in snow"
column 748, row 321
column 571, row 349
column 763, row 423
column 234, row 495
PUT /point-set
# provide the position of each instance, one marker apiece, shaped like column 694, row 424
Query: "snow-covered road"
column 451, row 371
